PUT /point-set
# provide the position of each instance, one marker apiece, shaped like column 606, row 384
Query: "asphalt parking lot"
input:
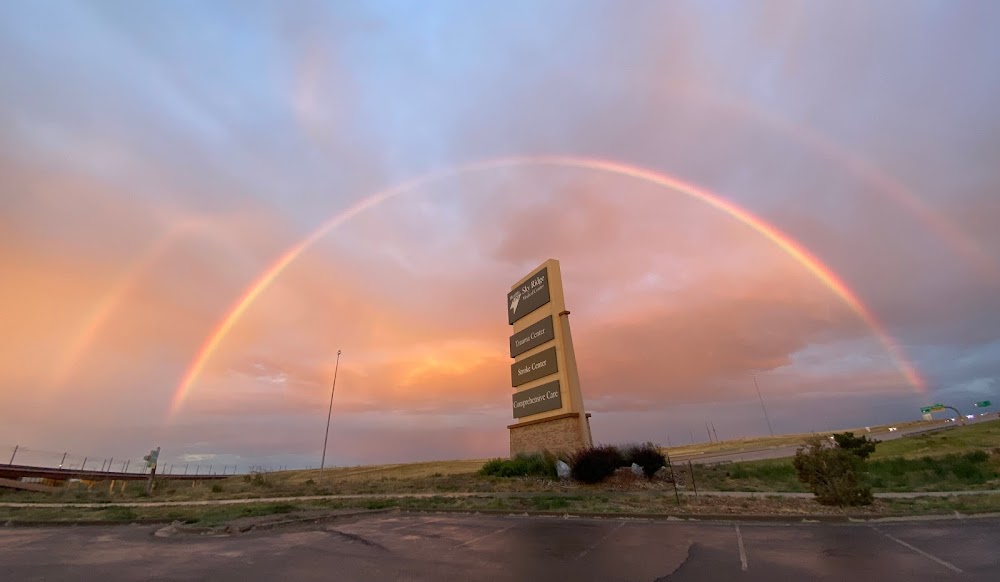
column 475, row 547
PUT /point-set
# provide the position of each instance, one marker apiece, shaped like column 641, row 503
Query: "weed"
column 381, row 503
column 119, row 513
column 547, row 503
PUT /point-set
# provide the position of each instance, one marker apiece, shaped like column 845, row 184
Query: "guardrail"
column 19, row 472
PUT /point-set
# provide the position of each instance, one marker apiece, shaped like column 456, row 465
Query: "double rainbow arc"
column 792, row 248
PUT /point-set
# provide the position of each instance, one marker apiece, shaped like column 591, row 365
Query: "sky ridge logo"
column 514, row 301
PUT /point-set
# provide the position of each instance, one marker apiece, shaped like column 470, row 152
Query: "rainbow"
column 116, row 294
column 883, row 183
column 782, row 241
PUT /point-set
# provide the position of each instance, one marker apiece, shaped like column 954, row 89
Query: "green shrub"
column 860, row 447
column 216, row 488
column 522, row 465
column 977, row 456
column 738, row 472
column 833, row 474
column 647, row 456
column 594, row 464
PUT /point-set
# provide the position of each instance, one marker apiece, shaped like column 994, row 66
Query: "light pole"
column 762, row 404
column 329, row 413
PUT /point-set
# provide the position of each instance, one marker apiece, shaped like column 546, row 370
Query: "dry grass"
column 375, row 472
column 758, row 443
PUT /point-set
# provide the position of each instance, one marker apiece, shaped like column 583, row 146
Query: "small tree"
column 860, row 447
column 834, row 474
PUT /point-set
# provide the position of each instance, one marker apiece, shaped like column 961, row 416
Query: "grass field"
column 963, row 457
column 758, row 443
column 939, row 461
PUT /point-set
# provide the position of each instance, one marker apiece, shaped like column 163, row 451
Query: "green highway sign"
column 983, row 404
column 932, row 408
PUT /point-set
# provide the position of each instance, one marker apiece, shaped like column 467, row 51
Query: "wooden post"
column 12, row 456
column 673, row 479
column 149, row 484
column 693, row 484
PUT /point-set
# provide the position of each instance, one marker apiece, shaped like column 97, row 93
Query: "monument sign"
column 547, row 401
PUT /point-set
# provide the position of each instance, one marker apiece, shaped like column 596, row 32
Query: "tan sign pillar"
column 547, row 401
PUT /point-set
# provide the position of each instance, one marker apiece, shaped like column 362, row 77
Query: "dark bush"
column 594, row 464
column 647, row 456
column 977, row 456
column 970, row 472
column 860, row 447
column 834, row 475
column 522, row 465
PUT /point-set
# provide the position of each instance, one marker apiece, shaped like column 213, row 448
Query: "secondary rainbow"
column 796, row 251
column 882, row 183
column 112, row 300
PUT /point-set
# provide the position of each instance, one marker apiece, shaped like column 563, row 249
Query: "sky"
column 158, row 159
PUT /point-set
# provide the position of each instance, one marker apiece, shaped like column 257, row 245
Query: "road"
column 443, row 547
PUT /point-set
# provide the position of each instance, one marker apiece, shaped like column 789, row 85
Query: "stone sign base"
column 564, row 433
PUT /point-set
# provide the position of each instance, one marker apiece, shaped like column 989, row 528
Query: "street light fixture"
column 329, row 413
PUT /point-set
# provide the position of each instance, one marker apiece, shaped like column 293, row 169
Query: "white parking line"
column 474, row 540
column 951, row 567
column 743, row 552
column 600, row 541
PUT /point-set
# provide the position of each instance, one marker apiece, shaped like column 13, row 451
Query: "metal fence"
column 26, row 456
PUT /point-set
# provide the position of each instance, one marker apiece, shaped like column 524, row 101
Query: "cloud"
column 115, row 134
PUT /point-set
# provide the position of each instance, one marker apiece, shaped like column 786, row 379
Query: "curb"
column 191, row 528
column 713, row 517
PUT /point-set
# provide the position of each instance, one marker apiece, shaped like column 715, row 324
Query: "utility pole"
column 13, row 455
column 716, row 433
column 762, row 404
column 708, row 431
column 329, row 413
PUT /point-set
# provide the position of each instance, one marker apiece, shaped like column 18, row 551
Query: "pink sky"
column 142, row 194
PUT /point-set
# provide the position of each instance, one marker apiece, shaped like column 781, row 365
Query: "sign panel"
column 532, row 336
column 983, row 404
column 536, row 400
column 534, row 367
column 533, row 294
